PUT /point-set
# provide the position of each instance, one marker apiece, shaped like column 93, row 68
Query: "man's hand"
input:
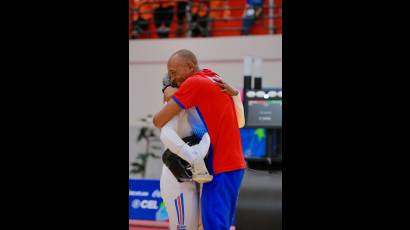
column 226, row 88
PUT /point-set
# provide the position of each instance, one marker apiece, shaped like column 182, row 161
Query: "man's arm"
column 166, row 114
column 184, row 98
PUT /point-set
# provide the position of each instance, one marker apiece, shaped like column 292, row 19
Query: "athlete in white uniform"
column 182, row 200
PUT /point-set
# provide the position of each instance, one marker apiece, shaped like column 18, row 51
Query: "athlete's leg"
column 181, row 202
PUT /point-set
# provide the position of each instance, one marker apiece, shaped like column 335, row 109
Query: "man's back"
column 218, row 113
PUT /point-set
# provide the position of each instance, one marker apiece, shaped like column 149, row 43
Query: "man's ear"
column 191, row 66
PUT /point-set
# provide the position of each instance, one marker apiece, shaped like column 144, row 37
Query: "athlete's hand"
column 226, row 88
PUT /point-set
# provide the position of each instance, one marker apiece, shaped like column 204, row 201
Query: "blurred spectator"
column 141, row 16
column 163, row 15
column 181, row 15
column 251, row 13
column 199, row 20
column 219, row 9
column 130, row 14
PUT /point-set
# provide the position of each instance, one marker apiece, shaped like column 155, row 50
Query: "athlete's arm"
column 173, row 142
column 236, row 99
column 240, row 114
column 169, row 136
column 171, row 139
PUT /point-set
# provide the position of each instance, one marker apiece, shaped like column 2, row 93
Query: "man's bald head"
column 181, row 65
column 185, row 55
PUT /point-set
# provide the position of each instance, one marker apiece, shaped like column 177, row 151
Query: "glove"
column 178, row 166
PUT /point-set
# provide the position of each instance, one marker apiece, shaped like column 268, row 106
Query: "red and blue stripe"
column 179, row 205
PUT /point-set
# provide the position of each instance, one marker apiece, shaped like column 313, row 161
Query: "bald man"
column 181, row 195
column 200, row 89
